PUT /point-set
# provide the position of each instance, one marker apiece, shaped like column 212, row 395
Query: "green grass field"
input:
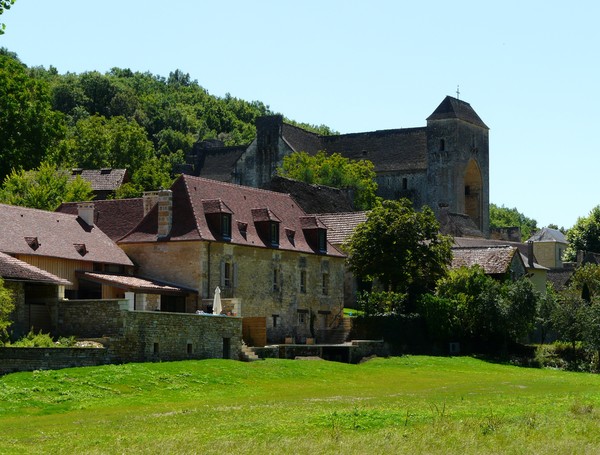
column 413, row 405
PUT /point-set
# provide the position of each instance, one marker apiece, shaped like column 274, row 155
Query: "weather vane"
column 458, row 92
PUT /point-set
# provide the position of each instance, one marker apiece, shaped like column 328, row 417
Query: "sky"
column 530, row 69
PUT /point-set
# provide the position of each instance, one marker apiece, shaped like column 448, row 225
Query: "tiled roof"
column 549, row 235
column 246, row 204
column 340, row 226
column 459, row 225
column 39, row 233
column 218, row 163
column 102, row 179
column 313, row 198
column 134, row 283
column 13, row 269
column 115, row 217
column 455, row 108
column 493, row 260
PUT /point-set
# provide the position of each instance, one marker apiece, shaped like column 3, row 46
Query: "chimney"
column 165, row 212
column 85, row 211
column 530, row 254
column 150, row 199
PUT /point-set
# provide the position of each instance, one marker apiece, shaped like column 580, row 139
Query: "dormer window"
column 33, row 242
column 322, row 240
column 267, row 226
column 315, row 233
column 218, row 218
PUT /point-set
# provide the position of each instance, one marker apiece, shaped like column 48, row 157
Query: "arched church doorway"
column 473, row 193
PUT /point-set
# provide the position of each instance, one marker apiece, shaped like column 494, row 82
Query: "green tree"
column 45, row 188
column 503, row 217
column 7, row 306
column 4, row 5
column 29, row 128
column 584, row 235
column 401, row 248
column 571, row 318
column 585, row 281
column 336, row 171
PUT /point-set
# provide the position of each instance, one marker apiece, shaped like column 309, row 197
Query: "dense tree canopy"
column 503, row 217
column 399, row 247
column 29, row 128
column 584, row 235
column 45, row 188
column 4, row 5
column 336, row 171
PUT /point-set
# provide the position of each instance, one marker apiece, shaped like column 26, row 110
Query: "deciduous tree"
column 7, row 306
column 400, row 247
column 502, row 217
column 584, row 235
column 336, row 171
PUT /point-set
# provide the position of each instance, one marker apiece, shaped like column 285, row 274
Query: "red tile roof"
column 139, row 284
column 13, row 269
column 115, row 217
column 247, row 206
column 40, row 233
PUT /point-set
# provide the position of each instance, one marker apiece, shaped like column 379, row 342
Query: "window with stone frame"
column 303, row 281
column 325, row 284
column 276, row 279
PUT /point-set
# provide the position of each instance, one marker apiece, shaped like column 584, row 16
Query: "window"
column 404, row 183
column 442, row 145
column 274, row 233
column 275, row 317
column 325, row 288
column 322, row 246
column 301, row 317
column 303, row 281
column 276, row 280
column 227, row 275
column 190, row 348
column 226, row 226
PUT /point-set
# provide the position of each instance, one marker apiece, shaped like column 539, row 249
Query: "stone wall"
column 30, row 359
column 88, row 318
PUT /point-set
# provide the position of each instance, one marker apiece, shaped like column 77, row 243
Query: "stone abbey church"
column 444, row 165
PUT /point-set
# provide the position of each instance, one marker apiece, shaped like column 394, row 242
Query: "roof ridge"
column 31, row 209
column 235, row 185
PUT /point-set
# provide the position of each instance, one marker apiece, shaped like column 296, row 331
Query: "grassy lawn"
column 407, row 405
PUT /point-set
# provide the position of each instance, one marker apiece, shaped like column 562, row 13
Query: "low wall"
column 156, row 336
column 29, row 359
column 88, row 318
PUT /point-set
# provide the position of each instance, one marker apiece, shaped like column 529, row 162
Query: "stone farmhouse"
column 271, row 260
column 443, row 164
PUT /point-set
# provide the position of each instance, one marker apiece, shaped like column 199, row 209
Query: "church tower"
column 458, row 173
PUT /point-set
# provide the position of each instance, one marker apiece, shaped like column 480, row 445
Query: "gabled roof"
column 340, row 226
column 493, row 260
column 105, row 179
column 248, row 206
column 549, row 235
column 459, row 225
column 114, row 217
column 50, row 234
column 218, row 162
column 453, row 108
column 15, row 270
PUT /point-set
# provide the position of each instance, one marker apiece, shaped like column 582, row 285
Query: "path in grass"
column 395, row 405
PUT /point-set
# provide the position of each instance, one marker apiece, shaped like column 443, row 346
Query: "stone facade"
column 284, row 286
column 445, row 163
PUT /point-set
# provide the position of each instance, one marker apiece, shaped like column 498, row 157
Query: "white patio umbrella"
column 217, row 307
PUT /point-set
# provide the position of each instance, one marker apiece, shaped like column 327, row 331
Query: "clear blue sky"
column 529, row 68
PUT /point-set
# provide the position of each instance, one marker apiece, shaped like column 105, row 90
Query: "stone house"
column 549, row 246
column 60, row 247
column 271, row 260
column 444, row 164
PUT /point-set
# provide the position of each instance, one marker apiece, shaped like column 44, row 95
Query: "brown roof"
column 40, row 233
column 458, row 225
column 455, row 108
column 340, row 226
column 115, row 217
column 218, row 163
column 145, row 285
column 314, row 198
column 493, row 260
column 249, row 207
column 13, row 269
column 105, row 179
